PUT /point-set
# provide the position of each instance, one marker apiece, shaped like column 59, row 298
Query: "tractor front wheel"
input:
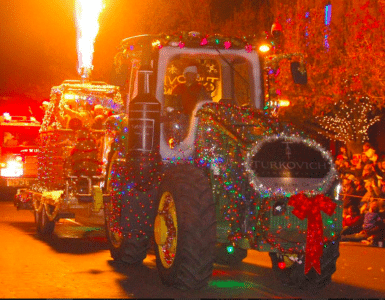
column 185, row 228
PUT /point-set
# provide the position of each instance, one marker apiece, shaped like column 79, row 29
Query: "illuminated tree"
column 345, row 65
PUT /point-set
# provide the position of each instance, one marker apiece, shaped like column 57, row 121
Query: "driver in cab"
column 191, row 92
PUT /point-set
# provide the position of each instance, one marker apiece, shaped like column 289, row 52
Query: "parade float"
column 230, row 177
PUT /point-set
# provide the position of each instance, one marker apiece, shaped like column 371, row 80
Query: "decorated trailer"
column 73, row 155
column 207, row 181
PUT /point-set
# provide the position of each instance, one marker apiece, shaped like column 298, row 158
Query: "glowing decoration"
column 311, row 208
column 157, row 44
column 328, row 15
column 7, row 116
column 264, row 48
column 227, row 44
column 230, row 249
column 282, row 265
column 349, row 121
column 283, row 103
column 204, row 42
column 87, row 13
column 222, row 146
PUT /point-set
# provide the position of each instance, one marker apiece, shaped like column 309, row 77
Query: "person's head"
column 358, row 182
column 87, row 106
column 369, row 184
column 367, row 170
column 45, row 105
column 346, row 183
column 71, row 103
column 366, row 146
column 99, row 110
column 353, row 210
column 351, row 177
column 343, row 149
column 98, row 122
column 191, row 74
column 373, row 206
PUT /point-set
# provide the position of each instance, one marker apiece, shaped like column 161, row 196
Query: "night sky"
column 38, row 44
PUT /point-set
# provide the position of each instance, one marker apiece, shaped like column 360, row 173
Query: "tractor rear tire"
column 185, row 228
column 125, row 245
column 295, row 276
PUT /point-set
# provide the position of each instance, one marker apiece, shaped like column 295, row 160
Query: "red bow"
column 311, row 208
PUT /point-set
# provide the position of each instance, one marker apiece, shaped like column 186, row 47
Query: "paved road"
column 75, row 263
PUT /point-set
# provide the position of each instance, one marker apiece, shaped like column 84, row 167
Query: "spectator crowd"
column 363, row 195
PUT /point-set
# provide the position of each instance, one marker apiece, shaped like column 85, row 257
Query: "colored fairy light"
column 204, row 42
column 230, row 249
column 282, row 265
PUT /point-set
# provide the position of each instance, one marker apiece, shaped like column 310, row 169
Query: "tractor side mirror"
column 298, row 73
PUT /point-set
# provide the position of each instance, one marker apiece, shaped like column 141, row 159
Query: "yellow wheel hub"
column 166, row 230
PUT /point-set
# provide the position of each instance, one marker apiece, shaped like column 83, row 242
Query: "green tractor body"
column 227, row 177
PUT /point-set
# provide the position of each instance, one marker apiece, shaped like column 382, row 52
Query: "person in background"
column 379, row 167
column 370, row 152
column 346, row 168
column 99, row 116
column 359, row 186
column 368, row 172
column 348, row 194
column 370, row 225
column 372, row 192
column 343, row 154
column 352, row 222
column 362, row 163
column 82, row 113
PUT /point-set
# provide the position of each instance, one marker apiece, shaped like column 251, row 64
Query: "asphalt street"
column 75, row 263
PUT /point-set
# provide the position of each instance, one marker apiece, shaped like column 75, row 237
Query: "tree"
column 345, row 66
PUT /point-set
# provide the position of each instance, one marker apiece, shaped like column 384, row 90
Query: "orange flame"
column 87, row 13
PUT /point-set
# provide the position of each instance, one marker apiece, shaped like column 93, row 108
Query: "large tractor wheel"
column 229, row 256
column 294, row 273
column 185, row 228
column 124, row 245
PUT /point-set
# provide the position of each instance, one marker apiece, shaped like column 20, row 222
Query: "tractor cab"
column 228, row 71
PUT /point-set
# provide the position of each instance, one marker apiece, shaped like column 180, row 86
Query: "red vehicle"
column 18, row 150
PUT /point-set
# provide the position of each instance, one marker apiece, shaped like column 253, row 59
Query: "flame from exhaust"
column 87, row 13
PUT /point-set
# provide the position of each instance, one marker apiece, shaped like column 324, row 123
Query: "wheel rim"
column 115, row 238
column 166, row 230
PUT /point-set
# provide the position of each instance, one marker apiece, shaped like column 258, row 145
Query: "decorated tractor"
column 205, row 186
column 72, row 158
